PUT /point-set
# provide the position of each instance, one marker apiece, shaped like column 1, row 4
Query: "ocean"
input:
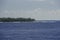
column 43, row 30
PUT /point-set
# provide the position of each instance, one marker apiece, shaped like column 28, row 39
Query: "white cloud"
column 40, row 14
column 52, row 2
column 6, row 11
column 47, row 14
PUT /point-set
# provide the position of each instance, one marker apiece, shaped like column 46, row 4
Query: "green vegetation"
column 16, row 20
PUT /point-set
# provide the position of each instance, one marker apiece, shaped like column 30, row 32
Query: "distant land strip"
column 16, row 20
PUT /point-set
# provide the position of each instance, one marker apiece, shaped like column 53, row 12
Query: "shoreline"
column 37, row 21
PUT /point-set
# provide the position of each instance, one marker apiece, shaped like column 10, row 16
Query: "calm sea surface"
column 30, row 31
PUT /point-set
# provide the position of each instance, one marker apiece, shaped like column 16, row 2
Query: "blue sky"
column 37, row 9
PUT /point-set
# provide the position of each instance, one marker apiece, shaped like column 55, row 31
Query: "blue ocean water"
column 30, row 31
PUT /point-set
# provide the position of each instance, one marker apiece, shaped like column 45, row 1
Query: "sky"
column 37, row 9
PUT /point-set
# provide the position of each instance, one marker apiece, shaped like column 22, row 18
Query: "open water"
column 30, row 31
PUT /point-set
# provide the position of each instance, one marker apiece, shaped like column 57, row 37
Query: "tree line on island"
column 16, row 19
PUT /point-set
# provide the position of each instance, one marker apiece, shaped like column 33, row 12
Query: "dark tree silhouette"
column 16, row 19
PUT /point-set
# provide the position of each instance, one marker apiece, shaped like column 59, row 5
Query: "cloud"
column 47, row 14
column 52, row 3
column 39, row 14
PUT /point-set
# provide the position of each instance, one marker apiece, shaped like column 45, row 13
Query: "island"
column 16, row 20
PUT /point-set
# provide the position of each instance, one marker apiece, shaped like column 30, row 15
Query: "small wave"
column 47, row 21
